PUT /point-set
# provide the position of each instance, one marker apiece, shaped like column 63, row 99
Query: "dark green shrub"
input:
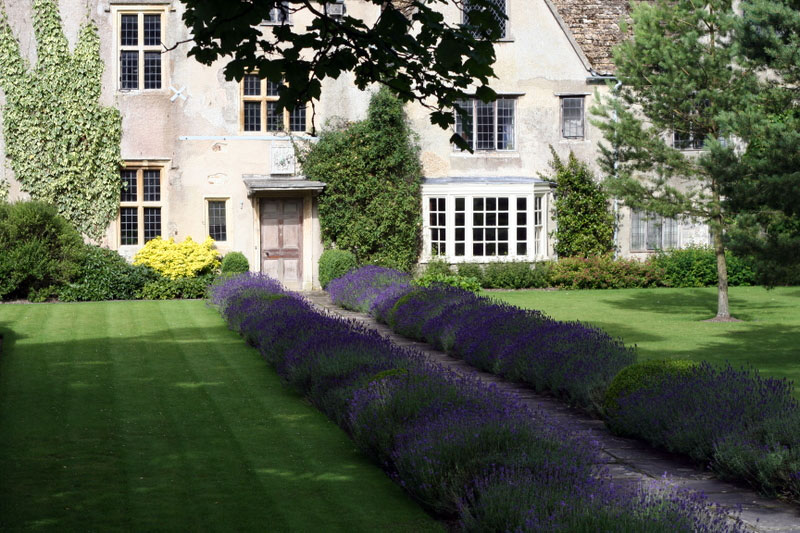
column 471, row 270
column 371, row 205
column 106, row 275
column 697, row 267
column 38, row 249
column 437, row 266
column 454, row 280
column 165, row 288
column 235, row 263
column 636, row 376
column 335, row 264
column 512, row 275
column 604, row 272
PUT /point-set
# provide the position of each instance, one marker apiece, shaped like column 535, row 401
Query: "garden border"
column 628, row 460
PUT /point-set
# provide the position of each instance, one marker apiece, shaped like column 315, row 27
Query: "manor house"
column 205, row 156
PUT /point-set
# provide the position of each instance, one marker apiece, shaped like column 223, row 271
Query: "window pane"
column 485, row 138
column 522, row 248
column 572, row 117
column 251, row 85
column 460, row 204
column 501, row 21
column 653, row 232
column 152, row 223
column 272, row 88
column 505, row 124
column 537, row 211
column 670, row 230
column 152, row 70
column 297, row 119
column 129, row 69
column 217, row 227
column 129, row 30
column 152, row 30
column 152, row 185
column 129, row 225
column 129, row 193
column 460, row 249
column 274, row 117
column 252, row 116
column 638, row 226
column 464, row 126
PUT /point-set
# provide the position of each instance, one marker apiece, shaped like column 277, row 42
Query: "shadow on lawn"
column 702, row 303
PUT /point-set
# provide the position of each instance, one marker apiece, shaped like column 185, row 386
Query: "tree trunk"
column 723, row 311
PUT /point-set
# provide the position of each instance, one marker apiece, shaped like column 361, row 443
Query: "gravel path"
column 628, row 460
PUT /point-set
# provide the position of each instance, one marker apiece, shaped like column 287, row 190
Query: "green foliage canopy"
column 765, row 185
column 63, row 146
column 371, row 205
column 584, row 224
column 409, row 47
column 678, row 75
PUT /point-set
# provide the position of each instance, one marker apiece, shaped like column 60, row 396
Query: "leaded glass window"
column 140, row 51
column 487, row 126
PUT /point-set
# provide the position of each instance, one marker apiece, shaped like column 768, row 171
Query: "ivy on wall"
column 63, row 146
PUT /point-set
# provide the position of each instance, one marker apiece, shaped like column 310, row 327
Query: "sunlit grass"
column 669, row 323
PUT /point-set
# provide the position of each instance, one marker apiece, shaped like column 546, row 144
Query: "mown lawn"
column 668, row 323
column 145, row 416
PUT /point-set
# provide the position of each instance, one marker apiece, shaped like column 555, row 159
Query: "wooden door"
column 282, row 240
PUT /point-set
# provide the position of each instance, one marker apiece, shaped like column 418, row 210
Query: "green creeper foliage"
column 335, row 264
column 63, row 146
column 584, row 224
column 410, row 48
column 371, row 204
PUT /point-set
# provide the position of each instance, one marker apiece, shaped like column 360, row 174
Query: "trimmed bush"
column 463, row 449
column 105, row 275
column 39, row 250
column 235, row 263
column 639, row 375
column 697, row 267
column 471, row 270
column 604, row 272
column 179, row 260
column 165, row 288
column 335, row 264
column 515, row 275
column 437, row 266
column 453, row 280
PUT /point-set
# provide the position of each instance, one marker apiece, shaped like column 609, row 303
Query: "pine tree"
column 681, row 88
column 766, row 186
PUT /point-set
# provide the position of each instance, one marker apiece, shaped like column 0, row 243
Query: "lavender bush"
column 358, row 289
column 462, row 448
column 746, row 426
column 569, row 359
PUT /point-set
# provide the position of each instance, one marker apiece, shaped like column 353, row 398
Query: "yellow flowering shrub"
column 178, row 260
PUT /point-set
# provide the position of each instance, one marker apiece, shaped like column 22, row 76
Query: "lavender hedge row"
column 744, row 426
column 464, row 449
column 569, row 359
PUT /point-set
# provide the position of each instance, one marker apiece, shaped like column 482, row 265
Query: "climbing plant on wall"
column 63, row 146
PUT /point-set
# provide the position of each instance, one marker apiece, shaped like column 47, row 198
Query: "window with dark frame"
column 502, row 21
column 572, row 117
column 487, row 126
column 260, row 108
column 140, row 51
column 217, row 223
column 650, row 232
column 140, row 205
